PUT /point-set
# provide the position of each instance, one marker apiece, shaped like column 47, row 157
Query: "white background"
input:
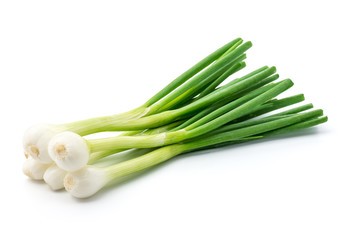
column 62, row 61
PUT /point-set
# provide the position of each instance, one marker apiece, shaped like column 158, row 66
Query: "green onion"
column 196, row 111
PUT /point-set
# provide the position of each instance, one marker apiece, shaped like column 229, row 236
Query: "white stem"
column 85, row 182
column 34, row 169
column 69, row 151
column 54, row 177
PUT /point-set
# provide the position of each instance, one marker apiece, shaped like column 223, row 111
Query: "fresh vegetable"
column 196, row 111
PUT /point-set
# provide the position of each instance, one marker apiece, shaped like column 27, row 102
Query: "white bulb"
column 36, row 140
column 85, row 182
column 34, row 169
column 69, row 151
column 54, row 177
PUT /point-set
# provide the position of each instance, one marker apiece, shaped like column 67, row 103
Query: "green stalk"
column 235, row 68
column 228, row 99
column 253, row 130
column 228, row 107
column 230, row 49
column 242, row 93
column 217, row 82
column 249, row 123
column 294, row 127
column 192, row 71
column 241, row 110
column 210, row 88
column 227, row 90
column 215, row 67
column 249, row 75
column 272, row 106
column 257, row 85
column 277, row 104
column 228, row 70
column 295, row 110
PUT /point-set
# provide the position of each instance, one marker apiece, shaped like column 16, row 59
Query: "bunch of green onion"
column 195, row 111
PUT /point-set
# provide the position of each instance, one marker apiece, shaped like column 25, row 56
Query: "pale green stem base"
column 149, row 141
column 106, row 123
column 143, row 162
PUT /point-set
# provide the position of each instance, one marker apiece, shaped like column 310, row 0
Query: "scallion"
column 195, row 111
